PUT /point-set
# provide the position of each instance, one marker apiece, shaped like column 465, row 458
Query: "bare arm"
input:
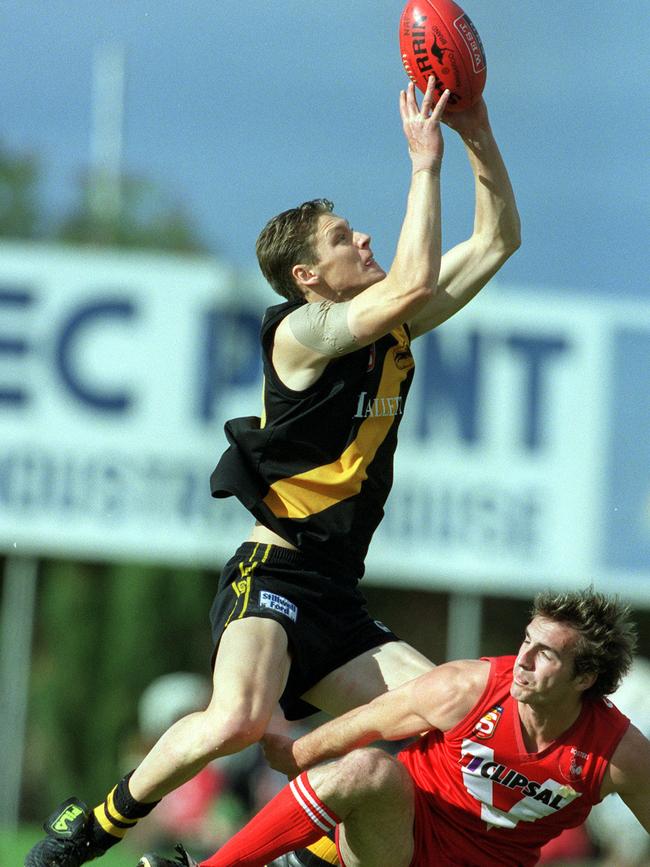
column 413, row 275
column 438, row 699
column 628, row 774
column 466, row 268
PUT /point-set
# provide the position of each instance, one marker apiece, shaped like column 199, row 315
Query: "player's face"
column 345, row 262
column 544, row 670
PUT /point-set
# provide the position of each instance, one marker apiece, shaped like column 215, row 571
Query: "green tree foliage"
column 19, row 176
column 111, row 212
column 103, row 634
column 128, row 212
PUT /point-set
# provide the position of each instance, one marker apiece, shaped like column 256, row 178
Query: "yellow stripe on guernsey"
column 263, row 418
column 111, row 820
column 313, row 491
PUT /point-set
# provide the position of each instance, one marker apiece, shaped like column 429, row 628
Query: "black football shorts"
column 325, row 618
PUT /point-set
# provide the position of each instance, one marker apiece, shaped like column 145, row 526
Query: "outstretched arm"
column 438, row 699
column 466, row 268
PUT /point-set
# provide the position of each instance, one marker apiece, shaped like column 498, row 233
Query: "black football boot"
column 68, row 842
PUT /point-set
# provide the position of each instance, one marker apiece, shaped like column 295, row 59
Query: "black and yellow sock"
column 114, row 816
column 325, row 850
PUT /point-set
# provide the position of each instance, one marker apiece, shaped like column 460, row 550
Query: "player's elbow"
column 418, row 296
column 512, row 241
column 370, row 317
column 424, row 290
column 508, row 237
column 419, row 283
column 413, row 277
column 506, row 248
column 500, row 239
column 496, row 248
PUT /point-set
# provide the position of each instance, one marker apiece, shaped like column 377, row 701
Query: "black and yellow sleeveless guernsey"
column 318, row 466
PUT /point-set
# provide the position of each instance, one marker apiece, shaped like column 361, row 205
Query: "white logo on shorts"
column 382, row 625
column 278, row 603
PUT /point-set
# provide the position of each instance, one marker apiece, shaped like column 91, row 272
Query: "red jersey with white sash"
column 482, row 798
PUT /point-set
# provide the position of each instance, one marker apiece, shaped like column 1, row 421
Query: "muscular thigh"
column 251, row 667
column 372, row 673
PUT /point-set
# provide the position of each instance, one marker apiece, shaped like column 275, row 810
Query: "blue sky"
column 241, row 110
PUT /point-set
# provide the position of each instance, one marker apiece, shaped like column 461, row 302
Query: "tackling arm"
column 466, row 268
column 438, row 699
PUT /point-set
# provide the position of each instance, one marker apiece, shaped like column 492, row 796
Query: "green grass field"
column 13, row 848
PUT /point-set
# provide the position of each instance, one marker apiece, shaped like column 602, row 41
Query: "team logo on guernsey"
column 572, row 763
column 487, row 724
column 404, row 359
column 401, row 353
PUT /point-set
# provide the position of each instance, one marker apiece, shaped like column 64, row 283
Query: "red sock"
column 295, row 818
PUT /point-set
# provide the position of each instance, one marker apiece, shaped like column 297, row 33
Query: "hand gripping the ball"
column 470, row 122
column 422, row 126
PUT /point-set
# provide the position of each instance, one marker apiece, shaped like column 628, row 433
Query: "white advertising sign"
column 521, row 463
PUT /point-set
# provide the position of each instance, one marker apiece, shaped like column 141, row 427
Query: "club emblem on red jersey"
column 572, row 763
column 487, row 724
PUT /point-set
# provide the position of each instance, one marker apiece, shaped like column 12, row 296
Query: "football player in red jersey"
column 513, row 750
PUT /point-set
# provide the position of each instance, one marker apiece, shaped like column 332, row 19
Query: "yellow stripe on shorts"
column 242, row 587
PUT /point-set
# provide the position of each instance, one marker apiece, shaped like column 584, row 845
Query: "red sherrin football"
column 437, row 38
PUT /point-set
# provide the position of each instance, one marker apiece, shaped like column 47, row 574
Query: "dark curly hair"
column 287, row 240
column 607, row 635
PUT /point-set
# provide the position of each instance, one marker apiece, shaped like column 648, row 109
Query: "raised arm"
column 628, row 774
column 466, row 268
column 436, row 700
column 340, row 319
column 414, row 273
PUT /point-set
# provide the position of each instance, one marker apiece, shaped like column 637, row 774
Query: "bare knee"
column 361, row 775
column 223, row 732
column 375, row 771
